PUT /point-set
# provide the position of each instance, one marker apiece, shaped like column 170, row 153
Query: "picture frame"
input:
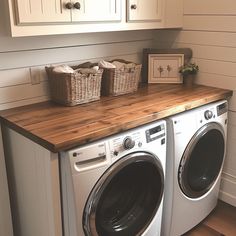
column 164, row 68
column 188, row 53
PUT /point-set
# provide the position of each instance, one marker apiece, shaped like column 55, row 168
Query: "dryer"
column 195, row 154
column 114, row 186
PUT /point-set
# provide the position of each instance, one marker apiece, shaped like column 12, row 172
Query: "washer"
column 114, row 187
column 195, row 155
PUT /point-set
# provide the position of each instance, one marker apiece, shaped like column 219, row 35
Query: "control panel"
column 213, row 112
column 137, row 139
column 125, row 142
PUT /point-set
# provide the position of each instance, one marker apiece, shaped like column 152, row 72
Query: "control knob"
column 128, row 143
column 208, row 114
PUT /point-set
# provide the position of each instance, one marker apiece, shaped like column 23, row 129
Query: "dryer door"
column 202, row 160
column 126, row 198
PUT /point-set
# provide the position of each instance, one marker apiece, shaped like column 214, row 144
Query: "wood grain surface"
column 59, row 128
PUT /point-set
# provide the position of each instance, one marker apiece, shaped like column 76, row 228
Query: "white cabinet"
column 143, row 10
column 102, row 10
column 51, row 11
column 51, row 17
column 33, row 175
column 35, row 11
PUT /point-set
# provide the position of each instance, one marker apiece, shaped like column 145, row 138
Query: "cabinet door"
column 35, row 11
column 93, row 10
column 143, row 10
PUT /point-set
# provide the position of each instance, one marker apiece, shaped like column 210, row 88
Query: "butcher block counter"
column 58, row 128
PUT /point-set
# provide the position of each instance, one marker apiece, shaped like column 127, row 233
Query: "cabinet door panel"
column 102, row 10
column 35, row 11
column 143, row 10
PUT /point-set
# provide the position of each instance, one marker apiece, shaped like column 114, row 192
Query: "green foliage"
column 189, row 69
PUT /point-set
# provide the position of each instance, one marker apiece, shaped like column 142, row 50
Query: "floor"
column 221, row 222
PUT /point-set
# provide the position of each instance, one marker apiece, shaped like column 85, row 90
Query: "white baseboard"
column 228, row 189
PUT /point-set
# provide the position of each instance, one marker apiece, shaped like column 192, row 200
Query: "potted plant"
column 189, row 71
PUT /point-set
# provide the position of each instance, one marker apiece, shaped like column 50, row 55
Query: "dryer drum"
column 202, row 160
column 126, row 198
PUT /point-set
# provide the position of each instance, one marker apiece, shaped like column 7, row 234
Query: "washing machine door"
column 202, row 160
column 126, row 198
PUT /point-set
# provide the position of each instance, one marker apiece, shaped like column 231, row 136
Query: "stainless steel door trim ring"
column 185, row 160
column 89, row 215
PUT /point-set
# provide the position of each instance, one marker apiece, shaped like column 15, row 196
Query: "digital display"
column 222, row 108
column 154, row 133
column 155, row 130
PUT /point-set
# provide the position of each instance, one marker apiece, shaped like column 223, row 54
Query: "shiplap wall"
column 210, row 30
column 18, row 55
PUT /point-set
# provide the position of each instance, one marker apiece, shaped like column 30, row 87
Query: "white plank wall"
column 15, row 78
column 210, row 30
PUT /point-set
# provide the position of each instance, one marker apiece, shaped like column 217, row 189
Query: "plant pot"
column 189, row 80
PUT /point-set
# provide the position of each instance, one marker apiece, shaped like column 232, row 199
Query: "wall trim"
column 228, row 188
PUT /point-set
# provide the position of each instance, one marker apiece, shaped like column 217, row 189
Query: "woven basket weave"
column 121, row 81
column 71, row 89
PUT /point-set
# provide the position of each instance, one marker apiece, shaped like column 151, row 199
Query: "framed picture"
column 164, row 68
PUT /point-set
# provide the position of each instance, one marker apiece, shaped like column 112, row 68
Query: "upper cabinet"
column 34, row 11
column 94, row 11
column 51, row 11
column 143, row 10
column 45, row 17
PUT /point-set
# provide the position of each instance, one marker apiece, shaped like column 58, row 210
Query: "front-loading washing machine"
column 115, row 186
column 195, row 155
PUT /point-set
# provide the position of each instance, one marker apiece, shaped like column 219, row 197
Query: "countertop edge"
column 153, row 116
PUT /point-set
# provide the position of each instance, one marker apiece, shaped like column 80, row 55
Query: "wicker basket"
column 71, row 89
column 120, row 81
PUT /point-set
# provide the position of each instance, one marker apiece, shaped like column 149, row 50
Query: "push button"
column 115, row 153
column 163, row 141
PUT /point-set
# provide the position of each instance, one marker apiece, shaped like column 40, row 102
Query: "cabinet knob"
column 69, row 5
column 133, row 6
column 77, row 5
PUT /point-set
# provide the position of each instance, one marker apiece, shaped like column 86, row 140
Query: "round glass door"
column 202, row 160
column 126, row 198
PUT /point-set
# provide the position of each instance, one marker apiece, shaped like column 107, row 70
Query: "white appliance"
column 114, row 186
column 196, row 143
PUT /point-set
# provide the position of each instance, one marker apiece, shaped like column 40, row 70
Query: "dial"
column 208, row 114
column 128, row 143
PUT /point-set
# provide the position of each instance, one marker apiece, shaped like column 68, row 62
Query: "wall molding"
column 228, row 188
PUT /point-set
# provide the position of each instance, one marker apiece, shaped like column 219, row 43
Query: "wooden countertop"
column 59, row 128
